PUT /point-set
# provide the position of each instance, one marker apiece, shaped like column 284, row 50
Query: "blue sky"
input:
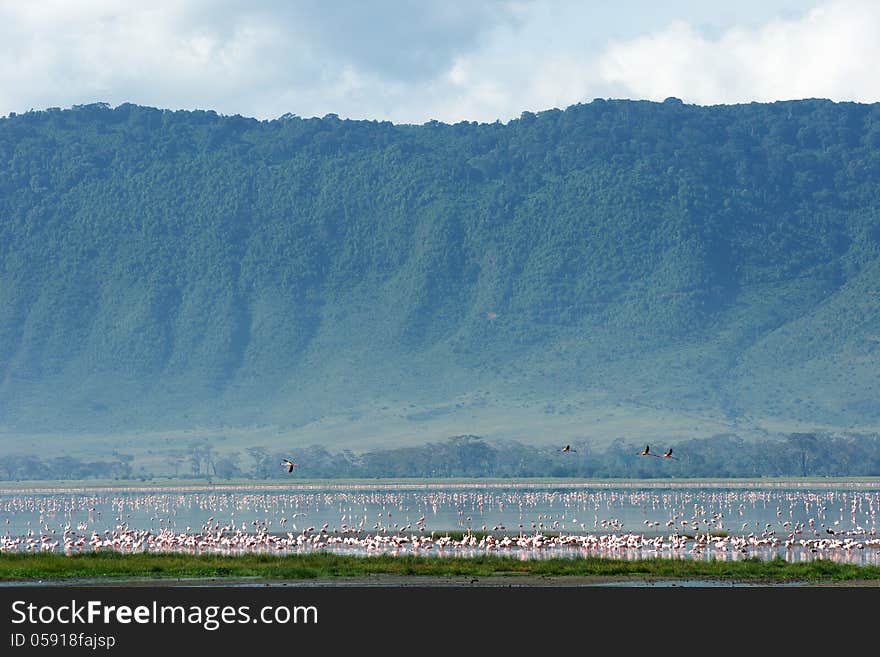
column 411, row 61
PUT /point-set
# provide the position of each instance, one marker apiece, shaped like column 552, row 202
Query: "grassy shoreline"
column 112, row 565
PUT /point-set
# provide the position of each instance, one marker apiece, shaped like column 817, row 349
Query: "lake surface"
column 799, row 521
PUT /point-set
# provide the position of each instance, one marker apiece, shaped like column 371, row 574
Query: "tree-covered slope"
column 163, row 269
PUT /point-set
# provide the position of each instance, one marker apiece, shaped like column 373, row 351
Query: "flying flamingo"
column 288, row 464
column 668, row 454
column 568, row 448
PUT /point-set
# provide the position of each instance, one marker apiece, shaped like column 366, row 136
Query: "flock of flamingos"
column 798, row 522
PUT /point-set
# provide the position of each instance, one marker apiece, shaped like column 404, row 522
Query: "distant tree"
column 227, row 466
column 261, row 463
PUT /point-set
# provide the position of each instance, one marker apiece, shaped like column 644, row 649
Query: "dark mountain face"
column 165, row 269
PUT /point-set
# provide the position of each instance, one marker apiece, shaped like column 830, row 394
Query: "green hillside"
column 617, row 268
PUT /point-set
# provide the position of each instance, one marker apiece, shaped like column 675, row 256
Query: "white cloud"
column 829, row 53
column 263, row 58
column 63, row 53
column 416, row 60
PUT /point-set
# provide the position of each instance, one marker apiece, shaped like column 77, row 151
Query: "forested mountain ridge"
column 167, row 269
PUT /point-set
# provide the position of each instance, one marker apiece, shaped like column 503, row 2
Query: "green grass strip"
column 18, row 567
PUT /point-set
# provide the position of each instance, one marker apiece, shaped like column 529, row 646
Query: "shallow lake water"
column 798, row 521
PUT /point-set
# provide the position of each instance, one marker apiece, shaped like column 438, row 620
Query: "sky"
column 413, row 61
